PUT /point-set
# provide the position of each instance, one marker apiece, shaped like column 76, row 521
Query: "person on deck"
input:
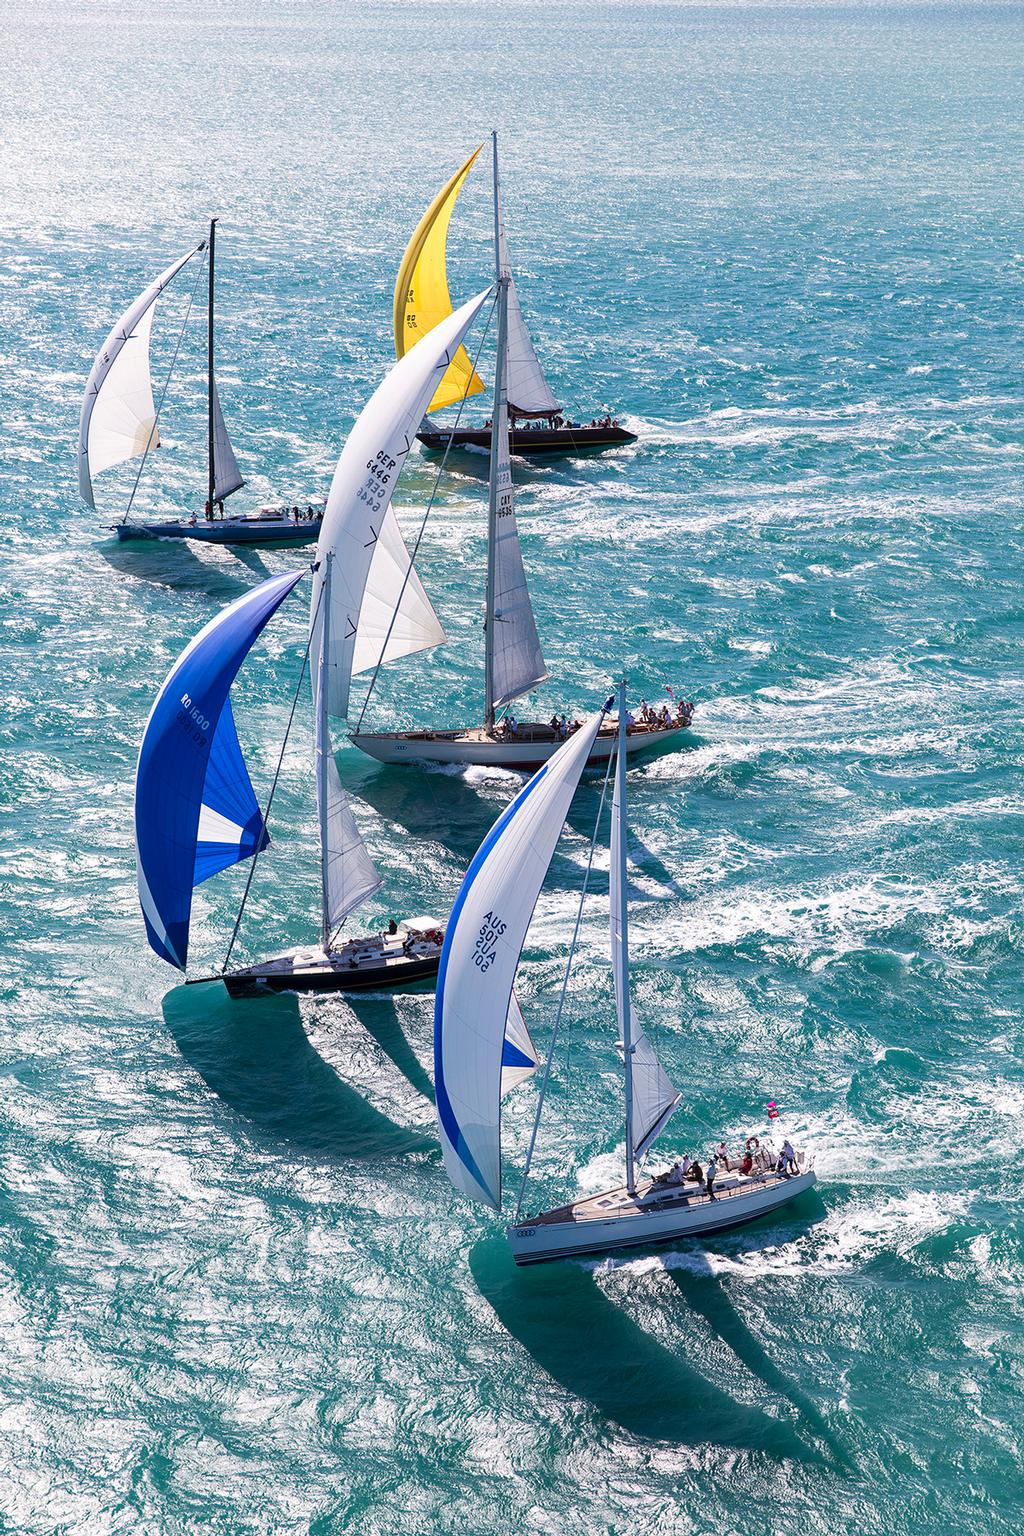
column 709, row 1178
column 787, row 1160
column 696, row 1172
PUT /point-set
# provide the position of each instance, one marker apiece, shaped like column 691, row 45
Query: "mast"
column 211, row 476
column 619, row 875
column 498, row 424
column 323, row 747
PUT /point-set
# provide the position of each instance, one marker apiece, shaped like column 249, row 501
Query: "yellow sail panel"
column 422, row 299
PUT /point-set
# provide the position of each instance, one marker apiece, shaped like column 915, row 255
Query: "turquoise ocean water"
column 237, row 1293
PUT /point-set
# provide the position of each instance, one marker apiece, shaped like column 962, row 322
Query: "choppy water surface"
column 236, row 1291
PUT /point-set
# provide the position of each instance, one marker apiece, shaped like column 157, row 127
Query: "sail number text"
column 193, row 720
column 484, row 951
column 374, row 489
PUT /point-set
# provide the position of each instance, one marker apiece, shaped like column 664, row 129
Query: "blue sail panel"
column 195, row 810
column 230, row 824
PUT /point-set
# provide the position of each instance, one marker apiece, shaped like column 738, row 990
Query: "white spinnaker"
column 654, row 1096
column 518, row 662
column 226, row 474
column 389, row 596
column 363, row 484
column 528, row 389
column 483, row 942
column 349, row 874
column 118, row 418
column 518, row 1054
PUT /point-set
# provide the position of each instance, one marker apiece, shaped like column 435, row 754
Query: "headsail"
column 422, row 299
column 483, row 942
column 195, row 810
column 652, row 1096
column 518, row 1053
column 227, row 476
column 516, row 660
column 390, row 596
column 361, row 491
column 529, row 393
column 118, row 419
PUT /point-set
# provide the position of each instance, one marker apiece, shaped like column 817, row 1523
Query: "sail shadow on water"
column 705, row 1294
column 595, row 1351
column 378, row 1015
column 257, row 1058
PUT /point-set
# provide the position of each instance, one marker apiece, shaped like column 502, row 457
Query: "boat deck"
column 652, row 1197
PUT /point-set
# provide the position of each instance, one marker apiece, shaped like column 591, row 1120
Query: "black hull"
column 531, row 442
column 252, row 982
column 237, row 530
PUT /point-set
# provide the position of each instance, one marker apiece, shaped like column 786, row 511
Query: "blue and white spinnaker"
column 195, row 810
column 476, row 1039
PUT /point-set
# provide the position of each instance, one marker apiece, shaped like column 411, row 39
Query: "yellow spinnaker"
column 422, row 299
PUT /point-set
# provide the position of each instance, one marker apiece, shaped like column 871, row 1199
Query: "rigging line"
column 565, row 984
column 423, row 524
column 163, row 392
column 273, row 787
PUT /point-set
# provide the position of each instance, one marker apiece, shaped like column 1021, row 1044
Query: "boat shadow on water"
column 171, row 563
column 594, row 1350
column 256, row 1057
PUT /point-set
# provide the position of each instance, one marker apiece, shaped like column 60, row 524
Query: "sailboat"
column 513, row 661
column 537, row 425
column 196, row 814
column 195, row 810
column 482, row 947
column 119, row 422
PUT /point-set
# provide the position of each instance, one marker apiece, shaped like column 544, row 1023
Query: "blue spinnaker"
column 195, row 810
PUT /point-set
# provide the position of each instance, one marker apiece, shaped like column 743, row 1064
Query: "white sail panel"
column 528, row 391
column 483, row 942
column 118, row 420
column 363, row 484
column 653, row 1095
column 226, row 474
column 518, row 662
column 518, row 1054
column 390, row 596
column 349, row 874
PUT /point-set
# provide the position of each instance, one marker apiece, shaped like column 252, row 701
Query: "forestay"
column 654, row 1097
column 118, row 420
column 528, row 391
column 483, row 942
column 227, row 476
column 517, row 661
column 195, row 810
column 422, row 299
column 361, row 491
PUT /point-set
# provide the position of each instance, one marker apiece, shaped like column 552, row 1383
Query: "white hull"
column 480, row 748
column 614, row 1219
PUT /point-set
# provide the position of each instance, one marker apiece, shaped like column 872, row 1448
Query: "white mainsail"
column 227, row 476
column 528, row 391
column 483, row 942
column 349, row 875
column 652, row 1096
column 517, row 662
column 361, row 492
column 118, row 418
